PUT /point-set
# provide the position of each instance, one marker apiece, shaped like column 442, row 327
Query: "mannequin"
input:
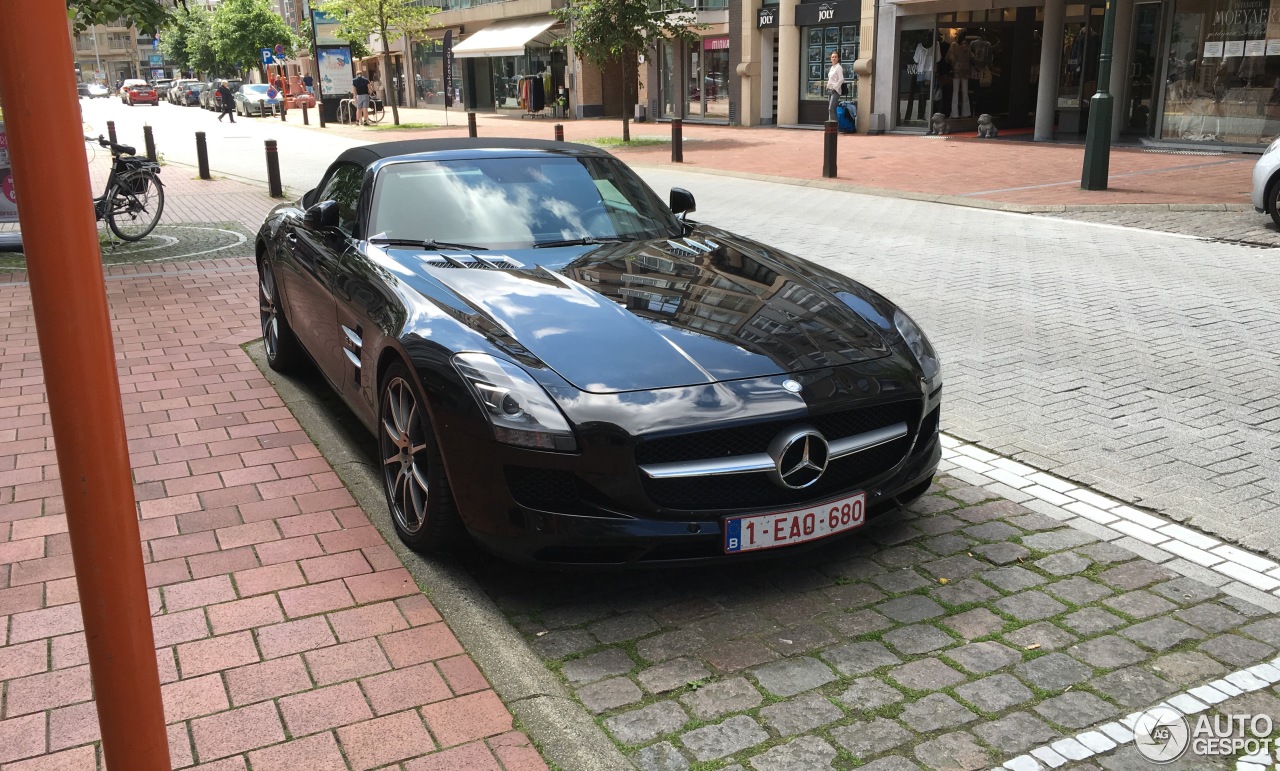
column 924, row 56
column 961, row 60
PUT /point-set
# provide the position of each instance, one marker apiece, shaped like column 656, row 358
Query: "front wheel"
column 1274, row 199
column 284, row 352
column 413, row 478
column 136, row 202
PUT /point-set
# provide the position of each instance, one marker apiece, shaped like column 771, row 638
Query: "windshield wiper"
column 427, row 244
column 580, row 241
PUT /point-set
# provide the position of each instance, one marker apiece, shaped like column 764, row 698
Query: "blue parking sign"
column 267, row 58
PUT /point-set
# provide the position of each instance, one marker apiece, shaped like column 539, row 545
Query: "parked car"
column 191, row 95
column 177, row 92
column 135, row 91
column 573, row 372
column 1266, row 182
column 92, row 90
column 252, row 99
column 162, row 86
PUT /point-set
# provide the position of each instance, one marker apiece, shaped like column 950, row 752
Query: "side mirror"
column 681, row 201
column 322, row 215
column 308, row 197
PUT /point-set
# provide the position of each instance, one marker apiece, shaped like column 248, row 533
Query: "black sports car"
column 575, row 373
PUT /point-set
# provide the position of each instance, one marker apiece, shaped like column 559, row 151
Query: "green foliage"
column 147, row 15
column 202, row 55
column 241, row 28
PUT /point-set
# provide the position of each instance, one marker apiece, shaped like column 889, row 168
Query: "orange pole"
column 60, row 239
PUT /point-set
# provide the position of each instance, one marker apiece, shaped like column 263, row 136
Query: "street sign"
column 280, row 50
column 267, row 58
column 157, row 60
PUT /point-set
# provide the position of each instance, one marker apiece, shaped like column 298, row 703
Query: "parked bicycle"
column 347, row 111
column 133, row 198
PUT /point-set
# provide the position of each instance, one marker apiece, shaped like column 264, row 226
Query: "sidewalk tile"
column 207, row 519
column 234, row 616
column 351, row 538
column 385, row 740
column 270, row 578
column 218, row 563
column 21, row 737
column 277, row 508
column 419, row 644
column 468, row 757
column 327, row 568
column 47, row 569
column 324, row 708
column 316, row 598
column 383, row 585
column 288, row 549
column 26, row 659
column 305, row 524
column 47, row 690
column 193, row 594
column 268, row 680
column 180, row 752
column 172, row 571
column 217, row 653
column 462, row 674
column 346, row 661
column 418, row 610
column 183, row 546
column 229, row 733
column 467, row 718
column 174, row 628
column 404, row 688
column 517, row 753
column 78, row 759
column 20, row 599
column 248, row 535
column 314, row 753
column 295, row 637
column 367, row 621
column 73, row 726
column 198, row 696
column 70, row 650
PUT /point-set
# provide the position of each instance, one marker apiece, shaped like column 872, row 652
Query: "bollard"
column 829, row 136
column 305, row 121
column 273, row 170
column 111, row 132
column 471, row 125
column 151, row 143
column 202, row 156
column 677, row 140
column 262, row 107
column 284, row 107
column 559, row 132
column 320, row 111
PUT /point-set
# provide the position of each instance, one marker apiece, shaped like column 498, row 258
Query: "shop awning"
column 506, row 38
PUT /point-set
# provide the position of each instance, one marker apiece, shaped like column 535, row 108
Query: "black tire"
column 135, row 203
column 284, row 352
column 413, row 478
column 1273, row 201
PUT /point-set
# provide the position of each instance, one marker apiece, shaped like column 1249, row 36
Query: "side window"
column 344, row 187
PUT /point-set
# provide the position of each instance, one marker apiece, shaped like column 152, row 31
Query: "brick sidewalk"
column 289, row 635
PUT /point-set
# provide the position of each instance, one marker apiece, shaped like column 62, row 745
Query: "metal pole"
column 677, row 140
column 559, row 132
column 96, row 57
column 471, row 124
column 829, row 137
column 1097, row 142
column 202, row 156
column 305, row 120
column 273, row 170
column 151, row 143
column 111, row 131
column 73, row 326
column 315, row 65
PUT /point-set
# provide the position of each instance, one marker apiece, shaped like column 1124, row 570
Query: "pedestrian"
column 360, row 88
column 308, row 84
column 835, row 85
column 227, row 101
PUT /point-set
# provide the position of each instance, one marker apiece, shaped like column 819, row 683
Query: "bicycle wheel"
column 136, row 203
column 376, row 113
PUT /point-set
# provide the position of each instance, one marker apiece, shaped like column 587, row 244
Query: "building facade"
column 107, row 53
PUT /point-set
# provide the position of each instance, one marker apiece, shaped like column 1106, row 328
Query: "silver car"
column 1266, row 182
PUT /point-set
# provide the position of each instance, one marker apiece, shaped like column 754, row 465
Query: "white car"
column 1266, row 182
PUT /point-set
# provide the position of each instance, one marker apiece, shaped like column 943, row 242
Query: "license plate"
column 767, row 531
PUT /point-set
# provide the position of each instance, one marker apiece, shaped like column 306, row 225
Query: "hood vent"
column 692, row 247
column 499, row 262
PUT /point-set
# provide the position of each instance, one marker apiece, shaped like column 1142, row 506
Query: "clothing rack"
column 533, row 96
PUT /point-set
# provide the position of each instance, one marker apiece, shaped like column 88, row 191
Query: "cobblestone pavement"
column 1245, row 227
column 168, row 243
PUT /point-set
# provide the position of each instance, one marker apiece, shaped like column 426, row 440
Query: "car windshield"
column 507, row 203
column 254, row 88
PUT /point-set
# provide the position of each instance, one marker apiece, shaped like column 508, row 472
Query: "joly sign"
column 8, row 196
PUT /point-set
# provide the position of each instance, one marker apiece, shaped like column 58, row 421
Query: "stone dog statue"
column 986, row 129
column 938, row 124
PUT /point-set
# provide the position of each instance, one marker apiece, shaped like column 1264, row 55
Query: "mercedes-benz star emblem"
column 792, row 386
column 799, row 457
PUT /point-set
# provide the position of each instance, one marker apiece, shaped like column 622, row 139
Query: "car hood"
column 654, row 314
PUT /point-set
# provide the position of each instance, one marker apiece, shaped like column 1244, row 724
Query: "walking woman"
column 227, row 101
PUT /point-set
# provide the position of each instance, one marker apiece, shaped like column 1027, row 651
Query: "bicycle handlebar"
column 115, row 148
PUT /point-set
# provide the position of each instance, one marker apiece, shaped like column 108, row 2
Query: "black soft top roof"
column 368, row 154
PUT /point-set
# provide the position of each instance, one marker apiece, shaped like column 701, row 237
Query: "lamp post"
column 1097, row 142
column 96, row 57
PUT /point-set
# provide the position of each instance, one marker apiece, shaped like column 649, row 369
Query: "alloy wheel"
column 268, row 311
column 402, row 441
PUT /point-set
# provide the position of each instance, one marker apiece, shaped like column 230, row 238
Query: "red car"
column 135, row 91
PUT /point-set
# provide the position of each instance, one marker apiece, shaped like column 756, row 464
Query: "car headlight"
column 519, row 410
column 926, row 357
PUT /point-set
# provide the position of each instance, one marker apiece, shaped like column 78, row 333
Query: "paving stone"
column 1016, row 733
column 910, row 609
column 1133, row 687
column 926, row 675
column 1013, row 578
column 673, row 674
column 561, row 643
column 791, row 676
column 1034, row 520
column 869, row 694
column 917, row 638
column 898, row 581
column 1187, row 668
column 1030, row 606
column 1135, row 575
column 1091, row 621
column 1106, row 553
column 983, row 657
column 1236, row 651
column 670, row 645
column 801, row 638
column 1185, row 591
column 1044, row 635
column 890, row 763
column 997, row 509
column 1063, row 563
column 965, row 592
column 944, row 545
column 1268, row 631
column 992, row 531
column 859, row 658
column 996, row 693
column 936, row 712
column 1140, row 604
column 858, row 622
column 1076, row 710
column 660, row 757
column 955, row 568
column 953, row 752
column 1244, row 606
column 1161, row 634
column 722, row 697
column 850, row 596
column 1002, row 553
column 1054, row 672
column 972, row 494
column 1078, row 590
column 858, row 568
column 931, row 504
column 1211, row 617
column 609, row 694
column 723, row 739
column 902, row 557
column 1109, row 652
column 871, row 738
column 1057, row 540
column 621, row 628
column 808, row 753
column 598, row 666
column 939, row 525
column 647, row 723
column 736, row 655
column 801, row 714
column 971, row 624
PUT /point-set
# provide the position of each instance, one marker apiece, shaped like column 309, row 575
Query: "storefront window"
column 708, row 79
column 1223, row 73
column 428, row 71
column 666, row 79
column 919, row 53
column 822, row 42
column 974, row 72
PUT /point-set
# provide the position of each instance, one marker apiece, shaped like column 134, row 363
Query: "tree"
column 147, row 15
column 605, row 32
column 202, row 56
column 358, row 19
column 242, row 28
column 173, row 43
